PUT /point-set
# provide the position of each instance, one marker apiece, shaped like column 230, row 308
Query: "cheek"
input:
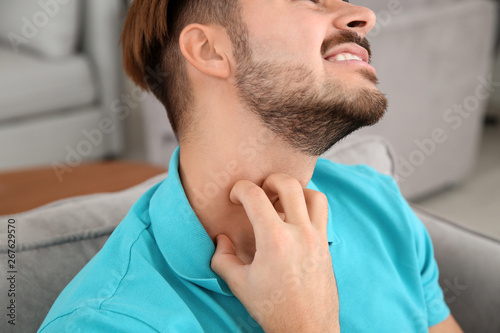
column 286, row 42
column 284, row 36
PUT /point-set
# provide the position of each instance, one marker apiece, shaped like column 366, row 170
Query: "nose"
column 354, row 18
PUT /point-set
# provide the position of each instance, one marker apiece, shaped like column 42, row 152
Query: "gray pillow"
column 374, row 151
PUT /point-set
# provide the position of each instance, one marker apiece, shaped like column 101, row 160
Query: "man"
column 250, row 231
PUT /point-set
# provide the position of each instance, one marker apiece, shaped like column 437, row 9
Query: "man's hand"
column 290, row 285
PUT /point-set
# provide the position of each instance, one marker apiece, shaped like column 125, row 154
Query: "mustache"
column 346, row 37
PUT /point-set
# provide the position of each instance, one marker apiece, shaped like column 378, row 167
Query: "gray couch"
column 55, row 241
column 60, row 77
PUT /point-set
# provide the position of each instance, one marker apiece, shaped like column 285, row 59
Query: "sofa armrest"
column 469, row 265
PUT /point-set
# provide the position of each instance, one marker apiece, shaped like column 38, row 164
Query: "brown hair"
column 151, row 52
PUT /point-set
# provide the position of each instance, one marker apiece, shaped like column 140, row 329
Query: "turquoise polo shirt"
column 154, row 275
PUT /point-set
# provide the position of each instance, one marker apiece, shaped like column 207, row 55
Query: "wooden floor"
column 28, row 189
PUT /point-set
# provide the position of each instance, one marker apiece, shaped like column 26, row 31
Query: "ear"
column 206, row 48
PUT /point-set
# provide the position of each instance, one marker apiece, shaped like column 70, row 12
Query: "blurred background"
column 70, row 118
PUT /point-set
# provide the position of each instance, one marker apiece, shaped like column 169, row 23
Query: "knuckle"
column 283, row 179
column 242, row 184
column 259, row 219
column 310, row 238
column 282, row 244
column 276, row 176
column 280, row 239
column 321, row 200
column 320, row 197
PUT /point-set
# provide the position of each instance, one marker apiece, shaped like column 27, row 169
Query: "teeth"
column 344, row 56
column 340, row 57
column 351, row 56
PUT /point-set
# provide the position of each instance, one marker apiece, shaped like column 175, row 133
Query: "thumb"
column 225, row 262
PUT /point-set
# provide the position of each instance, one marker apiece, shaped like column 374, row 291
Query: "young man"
column 251, row 231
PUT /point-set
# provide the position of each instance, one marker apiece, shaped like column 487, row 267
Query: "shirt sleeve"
column 437, row 309
column 88, row 319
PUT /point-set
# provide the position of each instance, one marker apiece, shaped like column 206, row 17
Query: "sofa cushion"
column 32, row 85
column 371, row 150
column 48, row 27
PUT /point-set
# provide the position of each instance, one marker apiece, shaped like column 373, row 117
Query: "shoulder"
column 364, row 197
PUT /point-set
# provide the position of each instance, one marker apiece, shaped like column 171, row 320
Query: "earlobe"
column 205, row 49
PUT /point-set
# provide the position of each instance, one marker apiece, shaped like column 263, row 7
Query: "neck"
column 211, row 166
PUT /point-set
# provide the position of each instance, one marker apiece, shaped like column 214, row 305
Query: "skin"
column 250, row 192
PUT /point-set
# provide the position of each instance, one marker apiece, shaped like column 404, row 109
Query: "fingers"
column 258, row 208
column 280, row 192
column 225, row 262
column 317, row 207
column 291, row 197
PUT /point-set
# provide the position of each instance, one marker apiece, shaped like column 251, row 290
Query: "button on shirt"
column 154, row 275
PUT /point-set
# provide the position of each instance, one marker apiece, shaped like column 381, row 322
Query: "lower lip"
column 353, row 62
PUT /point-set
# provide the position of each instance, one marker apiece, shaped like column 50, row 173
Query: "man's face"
column 291, row 74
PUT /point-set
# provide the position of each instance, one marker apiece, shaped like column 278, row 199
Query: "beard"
column 308, row 116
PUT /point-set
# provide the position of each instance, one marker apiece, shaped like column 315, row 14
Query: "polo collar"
column 181, row 238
